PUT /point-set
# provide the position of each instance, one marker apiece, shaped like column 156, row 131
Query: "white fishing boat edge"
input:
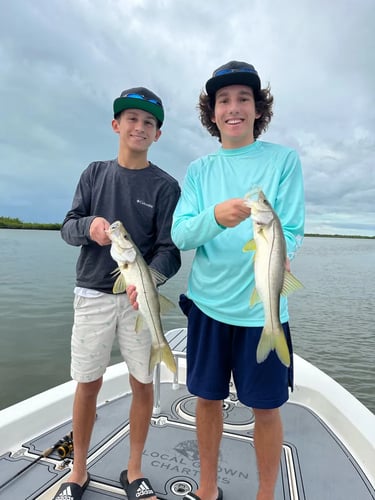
column 348, row 418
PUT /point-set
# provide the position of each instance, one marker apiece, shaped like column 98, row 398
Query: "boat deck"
column 314, row 465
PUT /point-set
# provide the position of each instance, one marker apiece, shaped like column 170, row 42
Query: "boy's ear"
column 157, row 135
column 115, row 126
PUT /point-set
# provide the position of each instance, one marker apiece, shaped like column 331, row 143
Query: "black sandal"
column 137, row 489
column 72, row 490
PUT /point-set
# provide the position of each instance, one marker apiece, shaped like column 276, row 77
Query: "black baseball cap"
column 233, row 73
column 140, row 98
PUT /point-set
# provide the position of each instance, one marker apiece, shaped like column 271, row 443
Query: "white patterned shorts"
column 98, row 321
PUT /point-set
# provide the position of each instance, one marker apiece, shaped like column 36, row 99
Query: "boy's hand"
column 132, row 294
column 98, row 231
column 231, row 212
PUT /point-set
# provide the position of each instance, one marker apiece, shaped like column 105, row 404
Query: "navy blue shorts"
column 215, row 350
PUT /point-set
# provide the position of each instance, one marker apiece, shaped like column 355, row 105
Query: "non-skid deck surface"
column 314, row 464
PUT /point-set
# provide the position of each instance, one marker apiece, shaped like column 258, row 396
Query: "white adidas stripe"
column 65, row 494
column 143, row 489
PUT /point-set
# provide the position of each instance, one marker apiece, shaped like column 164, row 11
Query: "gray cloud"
column 63, row 63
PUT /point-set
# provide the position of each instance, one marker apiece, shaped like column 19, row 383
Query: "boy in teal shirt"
column 211, row 217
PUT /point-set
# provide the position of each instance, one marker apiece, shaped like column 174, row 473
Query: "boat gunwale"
column 346, row 416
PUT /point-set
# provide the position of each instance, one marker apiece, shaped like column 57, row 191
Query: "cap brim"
column 122, row 103
column 217, row 82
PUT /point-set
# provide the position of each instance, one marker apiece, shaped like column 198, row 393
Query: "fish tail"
column 168, row 358
column 155, row 358
column 265, row 345
column 159, row 354
column 282, row 349
column 273, row 341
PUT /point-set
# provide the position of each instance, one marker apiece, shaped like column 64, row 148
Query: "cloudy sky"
column 64, row 61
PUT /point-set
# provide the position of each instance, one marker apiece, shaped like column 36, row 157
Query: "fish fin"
column 157, row 277
column 168, row 358
column 250, row 246
column 265, row 345
column 138, row 324
column 270, row 341
column 290, row 284
column 120, row 284
column 165, row 304
column 254, row 298
column 116, row 271
column 164, row 354
column 263, row 234
column 282, row 349
column 155, row 358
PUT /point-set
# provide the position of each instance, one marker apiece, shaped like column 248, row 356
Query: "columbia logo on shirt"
column 143, row 489
column 141, row 202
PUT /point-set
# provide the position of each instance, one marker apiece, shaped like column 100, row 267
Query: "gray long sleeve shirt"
column 143, row 200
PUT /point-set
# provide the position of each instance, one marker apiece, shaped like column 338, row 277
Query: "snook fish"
column 271, row 277
column 133, row 270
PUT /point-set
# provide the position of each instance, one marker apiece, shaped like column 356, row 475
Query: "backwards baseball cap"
column 140, row 98
column 233, row 73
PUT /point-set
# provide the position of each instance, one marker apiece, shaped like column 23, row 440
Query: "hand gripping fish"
column 271, row 277
column 133, row 270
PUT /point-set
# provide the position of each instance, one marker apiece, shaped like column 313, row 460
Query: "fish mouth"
column 252, row 196
column 114, row 229
column 253, row 204
column 115, row 225
column 253, row 193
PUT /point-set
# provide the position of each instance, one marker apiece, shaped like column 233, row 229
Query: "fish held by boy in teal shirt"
column 272, row 279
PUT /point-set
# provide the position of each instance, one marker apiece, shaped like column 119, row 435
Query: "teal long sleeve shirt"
column 221, row 279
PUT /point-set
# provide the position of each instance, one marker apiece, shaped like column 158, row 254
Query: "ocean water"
column 332, row 318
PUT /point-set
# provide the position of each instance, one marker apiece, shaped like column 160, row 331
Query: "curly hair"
column 263, row 106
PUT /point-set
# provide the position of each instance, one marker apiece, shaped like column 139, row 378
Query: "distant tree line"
column 11, row 223
column 340, row 236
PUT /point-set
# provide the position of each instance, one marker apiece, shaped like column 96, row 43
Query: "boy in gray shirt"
column 132, row 189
